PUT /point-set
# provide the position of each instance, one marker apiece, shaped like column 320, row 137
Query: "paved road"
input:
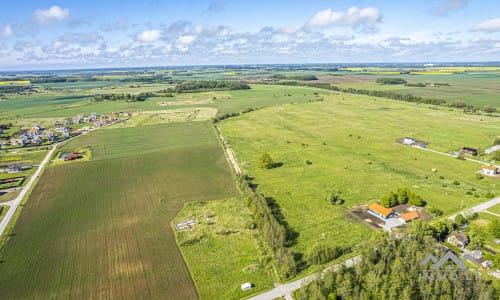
column 478, row 208
column 14, row 204
column 288, row 288
column 451, row 155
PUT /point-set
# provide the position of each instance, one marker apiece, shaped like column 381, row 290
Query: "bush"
column 460, row 220
column 489, row 195
column 435, row 211
column 456, row 182
column 265, row 161
column 322, row 253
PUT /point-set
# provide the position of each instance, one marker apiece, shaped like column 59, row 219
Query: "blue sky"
column 46, row 34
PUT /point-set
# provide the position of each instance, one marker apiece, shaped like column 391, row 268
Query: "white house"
column 490, row 170
column 246, row 286
column 409, row 141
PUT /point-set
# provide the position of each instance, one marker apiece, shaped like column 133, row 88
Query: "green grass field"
column 220, row 250
column 351, row 144
column 101, row 229
column 495, row 209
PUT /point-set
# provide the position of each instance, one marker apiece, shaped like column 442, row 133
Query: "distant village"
column 37, row 135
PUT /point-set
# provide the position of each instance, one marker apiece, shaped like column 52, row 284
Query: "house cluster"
column 459, row 239
column 35, row 135
column 391, row 218
column 93, row 118
column 13, row 168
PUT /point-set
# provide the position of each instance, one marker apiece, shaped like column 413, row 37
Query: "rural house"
column 409, row 141
column 458, row 239
column 470, row 151
column 380, row 211
column 409, row 216
column 490, row 170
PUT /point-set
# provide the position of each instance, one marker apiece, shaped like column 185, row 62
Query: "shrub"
column 456, row 182
column 322, row 253
column 265, row 161
column 460, row 220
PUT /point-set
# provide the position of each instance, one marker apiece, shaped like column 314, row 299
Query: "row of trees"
column 273, row 231
column 210, row 85
column 294, row 77
column 391, row 81
column 390, row 269
column 127, row 97
column 401, row 196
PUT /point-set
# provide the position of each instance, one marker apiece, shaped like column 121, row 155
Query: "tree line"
column 272, row 230
column 210, row 85
column 390, row 269
column 127, row 97
column 401, row 196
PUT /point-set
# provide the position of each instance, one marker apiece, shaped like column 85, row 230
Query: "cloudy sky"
column 46, row 34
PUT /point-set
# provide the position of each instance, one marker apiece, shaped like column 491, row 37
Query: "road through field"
column 14, row 204
column 479, row 208
column 288, row 288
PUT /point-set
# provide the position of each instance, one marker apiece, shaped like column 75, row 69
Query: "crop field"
column 102, row 229
column 221, row 250
column 350, row 145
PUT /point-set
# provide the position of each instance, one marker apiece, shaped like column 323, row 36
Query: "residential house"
column 475, row 257
column 380, row 211
column 409, row 216
column 458, row 239
column 470, row 151
column 490, row 170
column 409, row 141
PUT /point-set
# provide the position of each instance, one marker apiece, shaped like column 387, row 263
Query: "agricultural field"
column 348, row 144
column 102, row 228
column 220, row 249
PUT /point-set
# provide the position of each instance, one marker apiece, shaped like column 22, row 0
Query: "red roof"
column 380, row 209
column 408, row 216
column 493, row 168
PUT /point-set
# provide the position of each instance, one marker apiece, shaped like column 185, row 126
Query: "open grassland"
column 495, row 209
column 350, row 143
column 101, row 229
column 220, row 250
column 54, row 105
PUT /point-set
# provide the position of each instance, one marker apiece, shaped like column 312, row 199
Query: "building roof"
column 408, row 216
column 380, row 209
column 493, row 168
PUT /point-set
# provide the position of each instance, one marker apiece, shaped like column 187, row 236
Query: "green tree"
column 265, row 161
column 494, row 228
column 476, row 240
column 415, row 199
column 496, row 141
column 460, row 220
column 496, row 155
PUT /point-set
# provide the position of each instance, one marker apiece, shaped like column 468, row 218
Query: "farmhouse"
column 409, row 216
column 490, row 170
column 409, row 141
column 458, row 239
column 380, row 211
column 470, row 151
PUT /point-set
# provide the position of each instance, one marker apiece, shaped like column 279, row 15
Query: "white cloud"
column 186, row 39
column 492, row 25
column 449, row 6
column 55, row 13
column 353, row 17
column 7, row 31
column 149, row 36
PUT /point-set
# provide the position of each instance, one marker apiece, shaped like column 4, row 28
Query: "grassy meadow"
column 220, row 249
column 102, row 229
column 350, row 143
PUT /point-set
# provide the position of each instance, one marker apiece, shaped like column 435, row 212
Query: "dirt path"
column 229, row 152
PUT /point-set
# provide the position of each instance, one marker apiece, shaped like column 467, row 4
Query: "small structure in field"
column 380, row 211
column 185, row 225
column 72, row 156
column 490, row 170
column 246, row 286
column 458, row 239
column 409, row 141
column 470, row 151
